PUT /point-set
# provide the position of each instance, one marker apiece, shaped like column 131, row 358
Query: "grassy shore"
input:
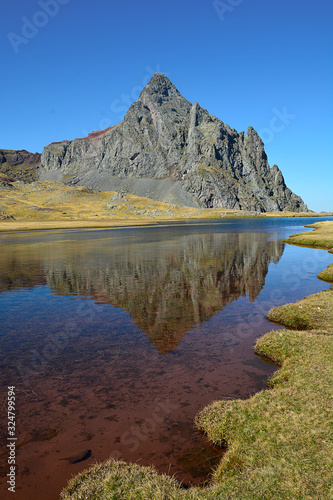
column 52, row 205
column 321, row 237
column 279, row 442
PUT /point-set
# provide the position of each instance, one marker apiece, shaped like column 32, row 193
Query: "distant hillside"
column 19, row 165
column 171, row 150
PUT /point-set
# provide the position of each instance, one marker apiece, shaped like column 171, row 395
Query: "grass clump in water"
column 327, row 274
column 115, row 480
column 321, row 237
column 313, row 312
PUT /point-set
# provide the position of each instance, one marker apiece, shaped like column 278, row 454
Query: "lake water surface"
column 116, row 338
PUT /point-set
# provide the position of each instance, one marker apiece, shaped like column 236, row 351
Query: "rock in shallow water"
column 78, row 457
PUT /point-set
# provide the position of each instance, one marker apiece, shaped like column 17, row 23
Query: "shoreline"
column 8, row 226
column 277, row 440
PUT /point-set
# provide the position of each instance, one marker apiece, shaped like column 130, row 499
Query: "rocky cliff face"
column 171, row 150
column 19, row 165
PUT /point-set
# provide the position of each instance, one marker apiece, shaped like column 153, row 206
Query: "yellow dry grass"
column 52, row 205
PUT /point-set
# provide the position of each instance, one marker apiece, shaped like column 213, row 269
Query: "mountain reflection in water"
column 167, row 287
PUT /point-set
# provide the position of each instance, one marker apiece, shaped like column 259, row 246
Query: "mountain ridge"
column 19, row 165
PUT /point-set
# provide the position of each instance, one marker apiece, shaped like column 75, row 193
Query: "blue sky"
column 73, row 66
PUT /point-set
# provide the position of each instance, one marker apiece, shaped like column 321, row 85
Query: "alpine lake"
column 114, row 339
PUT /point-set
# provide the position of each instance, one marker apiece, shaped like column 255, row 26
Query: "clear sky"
column 73, row 66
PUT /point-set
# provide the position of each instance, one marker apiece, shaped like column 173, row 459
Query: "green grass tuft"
column 313, row 312
column 114, row 480
column 327, row 274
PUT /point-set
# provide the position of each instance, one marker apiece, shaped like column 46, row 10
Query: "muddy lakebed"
column 114, row 339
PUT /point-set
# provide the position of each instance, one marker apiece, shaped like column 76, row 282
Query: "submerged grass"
column 279, row 442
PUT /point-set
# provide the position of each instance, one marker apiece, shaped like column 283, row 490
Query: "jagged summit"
column 160, row 87
column 169, row 149
column 160, row 84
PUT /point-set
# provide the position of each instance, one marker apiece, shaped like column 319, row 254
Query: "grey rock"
column 171, row 150
column 118, row 196
column 113, row 206
column 7, row 185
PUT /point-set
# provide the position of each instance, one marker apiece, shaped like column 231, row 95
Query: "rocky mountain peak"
column 163, row 97
column 160, row 86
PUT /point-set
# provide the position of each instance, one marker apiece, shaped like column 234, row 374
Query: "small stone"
column 78, row 457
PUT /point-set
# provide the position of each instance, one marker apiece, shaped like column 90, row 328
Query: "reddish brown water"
column 115, row 340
